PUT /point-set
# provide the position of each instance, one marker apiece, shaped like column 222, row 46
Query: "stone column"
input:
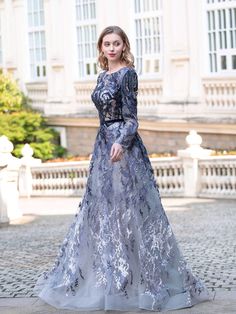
column 9, row 167
column 20, row 42
column 190, row 157
column 181, row 55
column 60, row 76
column 8, row 30
column 25, row 175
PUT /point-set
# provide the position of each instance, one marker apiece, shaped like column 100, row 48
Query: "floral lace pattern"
column 120, row 251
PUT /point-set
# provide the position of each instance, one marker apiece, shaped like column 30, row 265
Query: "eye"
column 106, row 44
column 117, row 43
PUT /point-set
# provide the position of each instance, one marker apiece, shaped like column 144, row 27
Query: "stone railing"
column 219, row 95
column 38, row 92
column 69, row 178
column 218, row 177
column 193, row 173
column 83, row 97
column 218, row 99
column 215, row 177
column 9, row 173
column 169, row 175
column 60, row 179
column 149, row 95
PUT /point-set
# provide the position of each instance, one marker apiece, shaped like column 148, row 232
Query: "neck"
column 113, row 66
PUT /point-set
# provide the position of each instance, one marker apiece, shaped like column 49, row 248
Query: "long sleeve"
column 129, row 89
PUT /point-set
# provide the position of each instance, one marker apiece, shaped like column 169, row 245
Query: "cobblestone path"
column 204, row 228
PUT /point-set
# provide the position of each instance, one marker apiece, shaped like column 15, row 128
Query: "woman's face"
column 112, row 47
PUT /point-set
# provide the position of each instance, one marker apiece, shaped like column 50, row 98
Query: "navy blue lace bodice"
column 115, row 98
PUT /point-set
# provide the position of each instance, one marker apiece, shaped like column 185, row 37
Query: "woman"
column 120, row 252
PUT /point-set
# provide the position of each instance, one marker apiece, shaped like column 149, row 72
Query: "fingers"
column 116, row 152
column 116, row 156
column 112, row 151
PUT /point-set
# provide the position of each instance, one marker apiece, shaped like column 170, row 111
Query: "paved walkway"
column 205, row 229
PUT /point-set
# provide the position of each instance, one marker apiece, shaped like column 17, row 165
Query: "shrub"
column 21, row 124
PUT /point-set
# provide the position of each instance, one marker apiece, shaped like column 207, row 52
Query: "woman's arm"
column 129, row 89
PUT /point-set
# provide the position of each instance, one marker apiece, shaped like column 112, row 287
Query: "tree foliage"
column 10, row 96
column 23, row 125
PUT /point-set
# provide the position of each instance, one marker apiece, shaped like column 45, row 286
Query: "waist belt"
column 109, row 122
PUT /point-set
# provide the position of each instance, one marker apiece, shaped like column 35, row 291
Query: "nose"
column 111, row 47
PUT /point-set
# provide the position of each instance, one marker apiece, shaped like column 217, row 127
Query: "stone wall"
column 80, row 140
column 157, row 141
column 219, row 141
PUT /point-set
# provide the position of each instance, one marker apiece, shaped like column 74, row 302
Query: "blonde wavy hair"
column 127, row 57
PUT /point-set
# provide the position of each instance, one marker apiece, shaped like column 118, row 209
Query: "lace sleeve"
column 129, row 89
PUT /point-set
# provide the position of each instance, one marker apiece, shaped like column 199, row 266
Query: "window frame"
column 37, row 48
column 218, row 37
column 86, row 29
column 147, row 16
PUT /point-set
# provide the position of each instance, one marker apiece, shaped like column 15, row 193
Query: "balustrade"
column 60, row 178
column 194, row 173
column 69, row 178
column 37, row 92
column 149, row 95
column 169, row 175
column 83, row 97
column 219, row 95
column 218, row 177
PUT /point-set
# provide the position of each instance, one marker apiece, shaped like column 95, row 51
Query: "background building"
column 185, row 52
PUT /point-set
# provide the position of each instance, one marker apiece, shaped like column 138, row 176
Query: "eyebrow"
column 105, row 42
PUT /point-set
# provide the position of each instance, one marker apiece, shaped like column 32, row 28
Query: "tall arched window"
column 148, row 35
column 86, row 37
column 221, row 29
column 37, row 43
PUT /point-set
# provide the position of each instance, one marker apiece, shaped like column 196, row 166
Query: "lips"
column 111, row 54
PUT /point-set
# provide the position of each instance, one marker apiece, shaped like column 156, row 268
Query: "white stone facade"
column 185, row 54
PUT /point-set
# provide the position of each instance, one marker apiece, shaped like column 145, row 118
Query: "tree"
column 21, row 124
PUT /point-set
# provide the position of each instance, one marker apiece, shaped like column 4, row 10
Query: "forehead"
column 111, row 37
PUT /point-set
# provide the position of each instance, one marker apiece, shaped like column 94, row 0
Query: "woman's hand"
column 116, row 152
